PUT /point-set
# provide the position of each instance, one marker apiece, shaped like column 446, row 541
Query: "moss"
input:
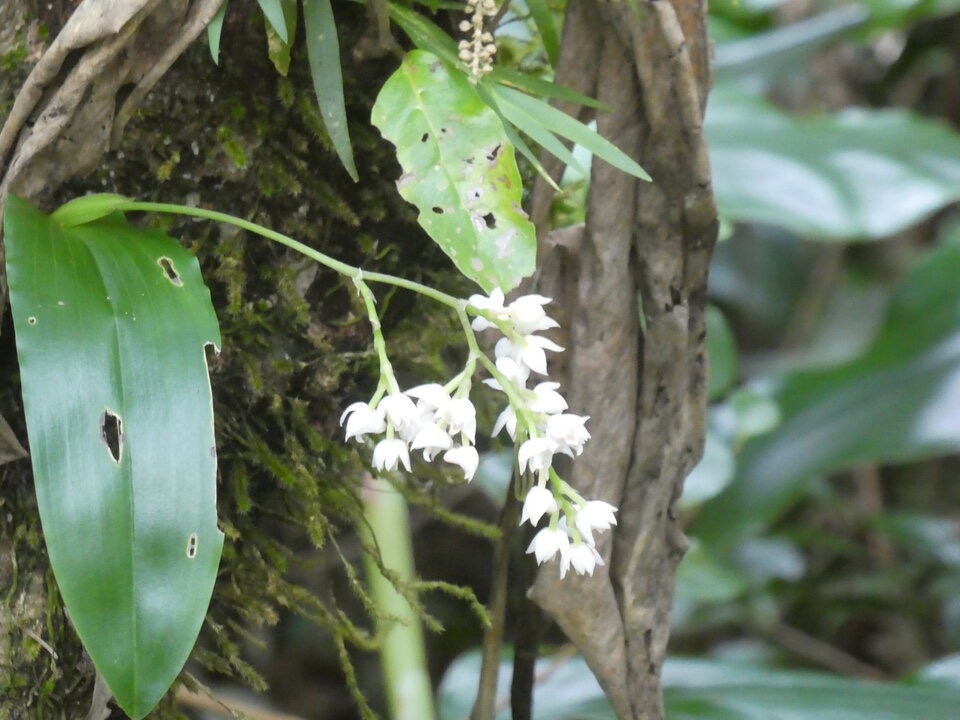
column 296, row 348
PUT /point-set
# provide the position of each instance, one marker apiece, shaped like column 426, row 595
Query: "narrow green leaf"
column 520, row 119
column 274, row 13
column 458, row 169
column 543, row 18
column 323, row 50
column 427, row 36
column 538, row 87
column 214, row 30
column 895, row 403
column 571, row 129
column 111, row 325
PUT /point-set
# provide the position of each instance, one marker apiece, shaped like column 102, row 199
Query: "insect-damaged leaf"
column 459, row 170
column 112, row 324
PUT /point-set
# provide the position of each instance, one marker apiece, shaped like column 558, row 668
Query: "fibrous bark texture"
column 632, row 285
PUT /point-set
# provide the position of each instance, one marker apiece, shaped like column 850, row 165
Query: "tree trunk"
column 640, row 376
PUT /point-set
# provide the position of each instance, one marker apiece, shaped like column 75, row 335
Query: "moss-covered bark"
column 242, row 139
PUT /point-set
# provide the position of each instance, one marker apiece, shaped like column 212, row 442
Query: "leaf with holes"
column 112, row 323
column 459, row 170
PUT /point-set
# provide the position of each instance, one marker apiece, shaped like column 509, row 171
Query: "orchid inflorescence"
column 441, row 421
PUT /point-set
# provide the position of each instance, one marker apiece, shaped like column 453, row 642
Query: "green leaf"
column 848, row 176
column 111, row 325
column 570, row 128
column 712, row 690
column 895, row 403
column 543, row 18
column 522, row 120
column 323, row 51
column 721, row 354
column 709, row 690
column 88, row 208
column 276, row 16
column 458, row 169
column 214, row 30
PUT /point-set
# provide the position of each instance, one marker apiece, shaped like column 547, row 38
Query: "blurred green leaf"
column 758, row 60
column 459, row 170
column 709, row 690
column 895, row 403
column 543, row 18
column 711, row 475
column 111, row 324
column 721, row 354
column 323, row 51
column 899, row 13
column 850, row 176
column 702, row 579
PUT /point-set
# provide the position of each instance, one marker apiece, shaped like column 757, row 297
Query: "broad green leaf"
column 570, row 128
column 273, row 11
column 543, row 18
column 713, row 690
column 111, row 324
column 849, row 176
column 708, row 690
column 458, row 169
column 214, row 30
column 323, row 51
column 895, row 403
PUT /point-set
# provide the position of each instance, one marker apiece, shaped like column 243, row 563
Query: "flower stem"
column 325, row 260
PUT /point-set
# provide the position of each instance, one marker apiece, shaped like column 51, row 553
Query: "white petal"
column 584, row 558
column 466, row 457
column 399, row 409
column 361, row 420
column 432, row 438
column 547, row 543
column 506, row 419
column 388, row 453
column 547, row 400
column 432, row 395
column 538, row 502
column 535, row 453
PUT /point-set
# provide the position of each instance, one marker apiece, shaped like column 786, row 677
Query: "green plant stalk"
column 403, row 656
column 325, row 260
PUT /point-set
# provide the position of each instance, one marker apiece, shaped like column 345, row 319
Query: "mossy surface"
column 296, row 350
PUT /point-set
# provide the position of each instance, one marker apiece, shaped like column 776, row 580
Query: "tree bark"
column 641, row 376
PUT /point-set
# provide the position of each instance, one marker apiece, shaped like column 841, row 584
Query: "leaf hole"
column 192, row 546
column 437, row 209
column 490, row 221
column 111, row 433
column 495, row 153
column 424, row 137
column 170, row 271
column 31, row 320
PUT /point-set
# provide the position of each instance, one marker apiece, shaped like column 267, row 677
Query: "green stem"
column 402, row 654
column 325, row 260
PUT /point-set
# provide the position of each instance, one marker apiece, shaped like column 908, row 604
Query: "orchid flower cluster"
column 441, row 422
